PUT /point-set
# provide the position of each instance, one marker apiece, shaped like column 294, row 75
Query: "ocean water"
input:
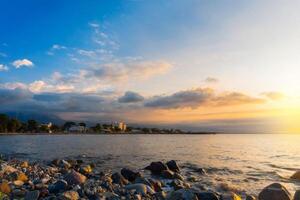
column 238, row 162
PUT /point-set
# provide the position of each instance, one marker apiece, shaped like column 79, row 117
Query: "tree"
column 67, row 125
column 14, row 125
column 4, row 119
column 55, row 128
column 97, row 128
column 82, row 124
column 32, row 125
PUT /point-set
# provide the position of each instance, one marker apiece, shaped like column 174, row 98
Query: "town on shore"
column 11, row 125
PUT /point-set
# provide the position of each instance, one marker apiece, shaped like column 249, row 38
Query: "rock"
column 275, row 191
column 137, row 197
column 3, row 196
column 86, row 169
column 178, row 176
column 75, row 178
column 143, row 180
column 24, row 164
column 22, row 177
column 200, row 171
column 157, row 167
column 182, row 194
column 110, row 195
column 65, row 164
column 18, row 183
column 156, row 185
column 5, row 188
column 119, row 179
column 160, row 195
column 32, row 195
column 18, row 194
column 192, row 179
column 178, row 184
column 296, row 175
column 129, row 174
column 8, row 169
column 168, row 174
column 172, row 165
column 140, row 188
column 250, row 197
column 207, row 196
column 55, row 162
column 58, row 186
column 231, row 196
column 297, row 195
column 70, row 195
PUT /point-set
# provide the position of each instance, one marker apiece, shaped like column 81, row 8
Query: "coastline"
column 76, row 179
column 114, row 133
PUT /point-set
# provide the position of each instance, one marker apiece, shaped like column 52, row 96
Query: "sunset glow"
column 201, row 64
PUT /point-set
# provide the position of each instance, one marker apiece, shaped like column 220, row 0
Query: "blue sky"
column 190, row 62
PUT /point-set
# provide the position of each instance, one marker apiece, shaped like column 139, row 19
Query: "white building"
column 122, row 126
column 77, row 129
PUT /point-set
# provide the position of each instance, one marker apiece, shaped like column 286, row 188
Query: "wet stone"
column 32, row 195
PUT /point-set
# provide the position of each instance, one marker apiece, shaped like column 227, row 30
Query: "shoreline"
column 77, row 179
column 115, row 133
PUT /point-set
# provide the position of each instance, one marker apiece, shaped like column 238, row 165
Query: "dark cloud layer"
column 103, row 106
column 130, row 97
column 201, row 97
column 189, row 98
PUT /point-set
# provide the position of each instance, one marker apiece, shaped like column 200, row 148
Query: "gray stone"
column 32, row 195
column 275, row 191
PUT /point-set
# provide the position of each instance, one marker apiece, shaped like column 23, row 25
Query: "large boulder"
column 296, row 176
column 207, row 196
column 129, row 174
column 58, row 186
column 172, row 165
column 119, row 179
column 157, row 167
column 182, row 194
column 75, row 178
column 168, row 174
column 275, row 191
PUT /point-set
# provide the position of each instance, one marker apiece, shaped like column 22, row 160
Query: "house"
column 122, row 126
column 77, row 129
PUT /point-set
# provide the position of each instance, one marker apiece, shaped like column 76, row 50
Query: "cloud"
column 3, row 68
column 94, row 25
column 37, row 86
column 183, row 99
column 211, row 80
column 201, row 97
column 130, row 97
column 235, row 98
column 54, row 48
column 21, row 63
column 273, row 95
column 57, row 46
column 9, row 96
column 86, row 53
column 123, row 71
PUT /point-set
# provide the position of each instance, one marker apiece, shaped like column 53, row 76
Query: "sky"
column 226, row 65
